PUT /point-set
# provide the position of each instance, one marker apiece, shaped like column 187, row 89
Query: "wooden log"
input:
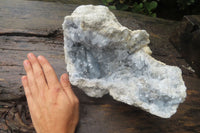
column 96, row 115
column 186, row 39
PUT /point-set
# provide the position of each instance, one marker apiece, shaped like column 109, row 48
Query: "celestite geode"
column 102, row 56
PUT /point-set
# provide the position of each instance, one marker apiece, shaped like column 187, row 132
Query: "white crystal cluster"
column 104, row 57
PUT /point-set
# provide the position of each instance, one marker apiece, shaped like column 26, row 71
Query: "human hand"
column 53, row 106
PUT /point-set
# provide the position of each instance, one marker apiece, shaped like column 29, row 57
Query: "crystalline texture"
column 103, row 57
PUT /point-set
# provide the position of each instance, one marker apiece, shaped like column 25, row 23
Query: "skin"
column 53, row 106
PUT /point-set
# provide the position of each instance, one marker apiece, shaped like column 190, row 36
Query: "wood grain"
column 102, row 115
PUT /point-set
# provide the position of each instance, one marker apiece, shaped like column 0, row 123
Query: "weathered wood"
column 186, row 39
column 102, row 115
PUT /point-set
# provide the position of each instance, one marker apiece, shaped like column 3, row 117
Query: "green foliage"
column 183, row 4
column 106, row 2
column 136, row 6
column 112, row 7
column 149, row 7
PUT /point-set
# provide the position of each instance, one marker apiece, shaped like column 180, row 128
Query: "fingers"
column 49, row 73
column 64, row 79
column 30, row 77
column 29, row 96
column 26, row 87
column 38, row 72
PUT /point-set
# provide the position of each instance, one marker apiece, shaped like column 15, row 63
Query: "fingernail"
column 26, row 63
column 23, row 77
column 39, row 57
column 65, row 77
column 30, row 55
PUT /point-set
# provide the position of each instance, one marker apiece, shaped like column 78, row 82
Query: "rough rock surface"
column 103, row 57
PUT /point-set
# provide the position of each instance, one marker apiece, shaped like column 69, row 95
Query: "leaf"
column 141, row 5
column 104, row 2
column 151, row 5
column 138, row 7
column 153, row 15
column 123, row 7
column 112, row 7
column 109, row 1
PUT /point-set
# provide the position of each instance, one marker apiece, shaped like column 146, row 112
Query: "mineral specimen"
column 102, row 56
